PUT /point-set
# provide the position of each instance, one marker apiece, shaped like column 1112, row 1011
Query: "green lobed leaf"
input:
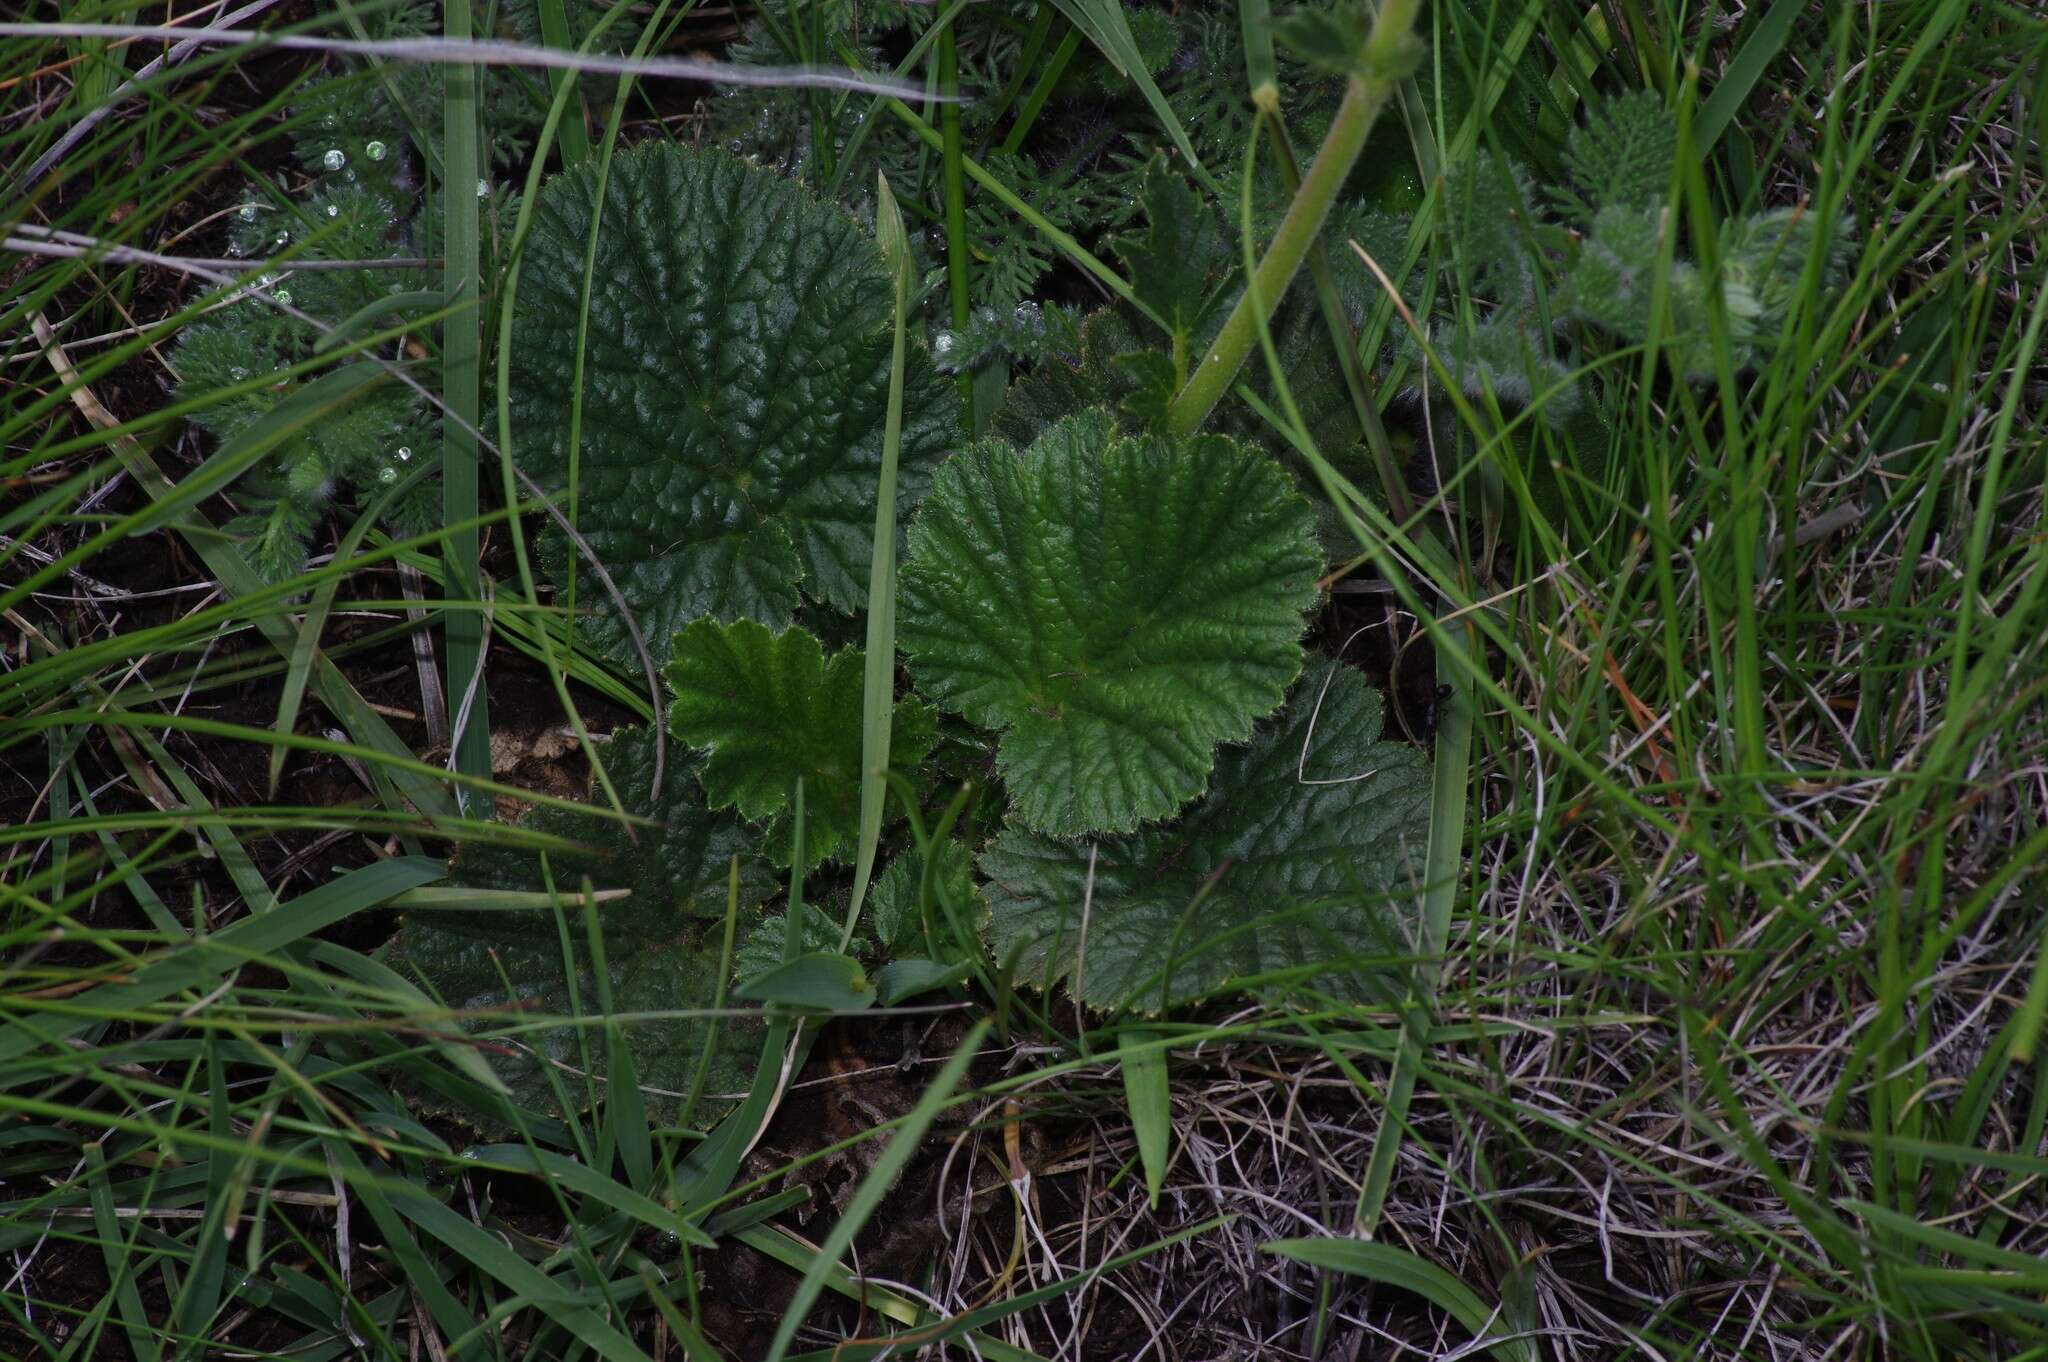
column 1170, row 262
column 1296, row 860
column 771, row 708
column 661, row 942
column 735, row 389
column 761, row 949
column 1115, row 605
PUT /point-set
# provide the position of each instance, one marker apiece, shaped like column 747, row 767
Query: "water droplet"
column 483, row 188
column 284, row 297
column 335, row 158
column 942, row 344
column 248, row 212
column 387, row 476
column 333, row 210
column 735, row 146
column 375, row 149
column 235, row 248
column 283, row 237
column 238, row 373
column 404, row 453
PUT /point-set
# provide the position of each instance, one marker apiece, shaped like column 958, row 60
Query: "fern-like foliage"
column 360, row 205
column 1549, row 286
column 1620, row 157
column 1026, row 333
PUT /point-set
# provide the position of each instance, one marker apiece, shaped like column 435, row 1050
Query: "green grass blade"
column 1448, row 791
column 588, row 1182
column 571, row 137
column 299, row 662
column 118, row 1251
column 1397, row 1267
column 902, row 1145
column 1104, row 24
column 878, row 684
column 249, row 938
column 461, row 390
column 237, row 578
column 953, row 186
column 1739, row 78
column 1048, row 81
column 1150, row 1099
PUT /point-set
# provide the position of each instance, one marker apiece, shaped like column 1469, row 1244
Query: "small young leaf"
column 1117, row 606
column 1329, row 40
column 734, row 390
column 821, row 981
column 1156, row 380
column 771, row 708
column 901, row 979
column 1289, row 863
column 661, row 941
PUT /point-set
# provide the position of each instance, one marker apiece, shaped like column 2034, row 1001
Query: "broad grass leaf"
column 1300, row 862
column 734, row 390
column 1115, row 606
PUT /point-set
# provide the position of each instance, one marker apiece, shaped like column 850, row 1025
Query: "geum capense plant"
column 1100, row 610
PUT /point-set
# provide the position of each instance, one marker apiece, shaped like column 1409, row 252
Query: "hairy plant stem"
column 1342, row 337
column 1365, row 94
